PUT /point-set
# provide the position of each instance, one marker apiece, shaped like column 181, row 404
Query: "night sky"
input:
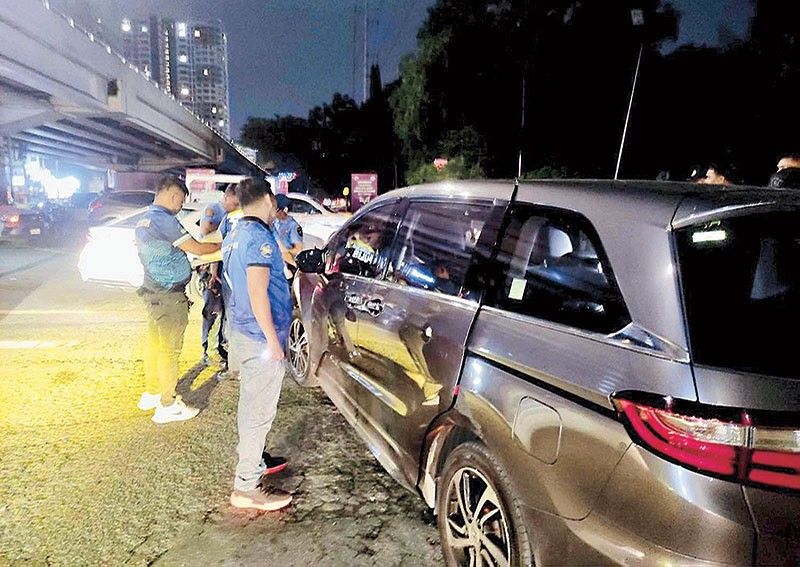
column 287, row 56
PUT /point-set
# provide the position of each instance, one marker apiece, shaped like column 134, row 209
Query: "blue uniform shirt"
column 288, row 231
column 214, row 213
column 252, row 243
column 229, row 221
column 158, row 235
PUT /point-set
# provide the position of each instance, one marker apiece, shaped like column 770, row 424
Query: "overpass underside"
column 64, row 94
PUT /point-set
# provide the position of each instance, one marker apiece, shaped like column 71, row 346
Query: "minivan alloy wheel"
column 477, row 526
column 298, row 348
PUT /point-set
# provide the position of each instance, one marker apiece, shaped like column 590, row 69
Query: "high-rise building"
column 187, row 58
column 201, row 71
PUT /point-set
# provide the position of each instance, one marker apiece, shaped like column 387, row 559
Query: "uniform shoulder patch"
column 300, row 231
column 266, row 250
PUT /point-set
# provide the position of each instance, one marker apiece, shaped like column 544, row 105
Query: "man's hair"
column 724, row 168
column 251, row 190
column 168, row 182
column 230, row 189
column 789, row 155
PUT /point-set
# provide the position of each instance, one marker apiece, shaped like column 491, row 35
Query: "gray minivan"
column 571, row 372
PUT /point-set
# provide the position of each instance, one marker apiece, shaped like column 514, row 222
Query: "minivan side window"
column 435, row 244
column 362, row 247
column 553, row 267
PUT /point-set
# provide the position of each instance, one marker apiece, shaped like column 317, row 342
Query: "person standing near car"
column 213, row 298
column 259, row 312
column 162, row 244
column 289, row 231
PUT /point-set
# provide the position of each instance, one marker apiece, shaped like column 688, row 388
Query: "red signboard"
column 364, row 189
column 204, row 185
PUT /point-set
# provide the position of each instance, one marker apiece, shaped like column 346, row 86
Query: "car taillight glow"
column 94, row 206
column 10, row 220
column 744, row 446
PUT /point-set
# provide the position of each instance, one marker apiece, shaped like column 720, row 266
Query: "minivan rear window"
column 741, row 284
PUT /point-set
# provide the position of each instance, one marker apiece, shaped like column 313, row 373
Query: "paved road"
column 86, row 478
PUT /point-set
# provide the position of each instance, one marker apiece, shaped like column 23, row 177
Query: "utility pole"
column 522, row 122
column 355, row 64
column 365, row 75
column 637, row 19
column 628, row 115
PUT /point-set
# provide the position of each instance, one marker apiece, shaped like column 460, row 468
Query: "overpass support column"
column 5, row 171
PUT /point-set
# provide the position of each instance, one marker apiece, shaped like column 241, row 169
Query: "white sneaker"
column 148, row 401
column 178, row 411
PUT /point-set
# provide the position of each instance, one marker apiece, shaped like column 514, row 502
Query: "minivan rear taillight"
column 94, row 205
column 751, row 447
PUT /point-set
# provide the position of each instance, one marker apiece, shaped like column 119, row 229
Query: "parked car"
column 318, row 222
column 79, row 206
column 112, row 205
column 24, row 223
column 110, row 256
column 576, row 373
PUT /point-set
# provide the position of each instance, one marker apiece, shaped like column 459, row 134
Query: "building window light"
column 197, row 33
column 181, row 29
column 221, row 123
column 126, row 25
column 144, row 29
column 205, row 72
column 183, row 59
column 184, row 91
column 213, row 110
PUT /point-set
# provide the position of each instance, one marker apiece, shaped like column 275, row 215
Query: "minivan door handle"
column 353, row 301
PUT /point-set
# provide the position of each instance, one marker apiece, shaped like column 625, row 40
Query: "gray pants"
column 259, row 390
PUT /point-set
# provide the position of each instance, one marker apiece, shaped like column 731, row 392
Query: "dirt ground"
column 87, row 478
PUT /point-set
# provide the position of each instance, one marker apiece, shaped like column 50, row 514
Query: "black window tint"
column 741, row 285
column 362, row 247
column 435, row 244
column 301, row 207
column 553, row 267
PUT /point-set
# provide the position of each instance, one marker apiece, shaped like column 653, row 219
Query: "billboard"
column 364, row 189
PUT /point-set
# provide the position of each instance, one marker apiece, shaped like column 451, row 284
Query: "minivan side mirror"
column 311, row 261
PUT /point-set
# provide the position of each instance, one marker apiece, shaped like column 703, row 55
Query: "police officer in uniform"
column 213, row 300
column 288, row 230
column 162, row 244
column 259, row 314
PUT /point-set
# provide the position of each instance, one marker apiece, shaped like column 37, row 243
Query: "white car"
column 318, row 222
column 110, row 256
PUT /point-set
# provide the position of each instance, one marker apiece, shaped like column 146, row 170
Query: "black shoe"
column 272, row 465
column 204, row 360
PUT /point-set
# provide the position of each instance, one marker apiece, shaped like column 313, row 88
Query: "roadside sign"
column 203, row 186
column 364, row 189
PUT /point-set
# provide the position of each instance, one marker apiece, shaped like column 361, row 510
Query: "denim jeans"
column 167, row 317
column 213, row 309
column 259, row 390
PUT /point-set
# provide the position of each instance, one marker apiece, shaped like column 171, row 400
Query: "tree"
column 575, row 59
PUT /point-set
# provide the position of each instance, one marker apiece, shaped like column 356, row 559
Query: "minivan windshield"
column 741, row 284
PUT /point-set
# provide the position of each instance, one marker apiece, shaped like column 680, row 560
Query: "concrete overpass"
column 66, row 95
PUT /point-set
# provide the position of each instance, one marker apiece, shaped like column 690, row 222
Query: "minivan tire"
column 481, row 469
column 297, row 356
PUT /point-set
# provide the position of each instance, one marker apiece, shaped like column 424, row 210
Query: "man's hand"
column 274, row 352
